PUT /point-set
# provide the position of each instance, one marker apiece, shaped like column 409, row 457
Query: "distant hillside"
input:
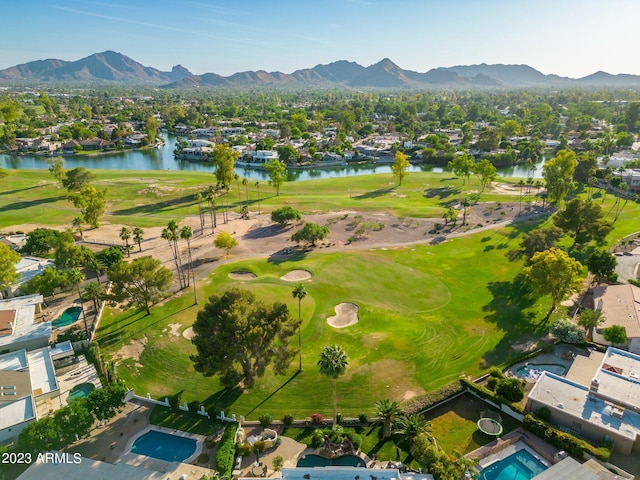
column 112, row 67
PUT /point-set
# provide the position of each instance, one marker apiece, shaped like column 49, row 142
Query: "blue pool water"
column 318, row 461
column 533, row 369
column 69, row 316
column 81, row 391
column 518, row 466
column 164, row 446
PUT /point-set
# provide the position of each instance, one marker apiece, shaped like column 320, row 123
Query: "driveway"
column 627, row 267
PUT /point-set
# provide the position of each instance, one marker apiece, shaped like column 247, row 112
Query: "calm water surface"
column 162, row 159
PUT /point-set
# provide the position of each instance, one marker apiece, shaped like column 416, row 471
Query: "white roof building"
column 18, row 329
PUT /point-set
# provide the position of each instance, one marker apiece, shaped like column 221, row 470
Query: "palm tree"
column 95, row 291
column 198, row 197
column 226, row 208
column 96, row 265
column 211, row 198
column 137, row 237
column 333, row 363
column 299, row 292
column 186, row 233
column 466, row 202
column 245, row 182
column 520, row 184
column 77, row 223
column 258, row 187
column 125, row 235
column 409, row 427
column 388, row 411
column 236, row 177
column 75, row 278
column 170, row 234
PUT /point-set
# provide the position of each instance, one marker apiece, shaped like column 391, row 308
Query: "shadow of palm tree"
column 272, row 393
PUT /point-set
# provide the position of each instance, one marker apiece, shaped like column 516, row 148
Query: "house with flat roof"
column 606, row 409
column 18, row 328
column 26, row 268
column 620, row 305
column 26, row 379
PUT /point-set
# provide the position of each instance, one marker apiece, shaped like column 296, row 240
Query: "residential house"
column 18, row 328
column 607, row 409
column 14, row 242
column 620, row 305
column 96, row 144
column 26, row 268
column 630, row 176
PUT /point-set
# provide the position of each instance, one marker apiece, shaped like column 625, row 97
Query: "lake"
column 162, row 159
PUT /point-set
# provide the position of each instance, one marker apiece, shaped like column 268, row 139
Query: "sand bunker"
column 346, row 315
column 175, row 329
column 242, row 275
column 188, row 333
column 296, row 276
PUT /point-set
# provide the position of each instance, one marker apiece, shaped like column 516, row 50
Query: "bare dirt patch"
column 175, row 329
column 346, row 315
column 296, row 276
column 242, row 275
column 133, row 349
column 188, row 333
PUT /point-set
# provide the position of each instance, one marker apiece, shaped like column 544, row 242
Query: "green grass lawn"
column 427, row 315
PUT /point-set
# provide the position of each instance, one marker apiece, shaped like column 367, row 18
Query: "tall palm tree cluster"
column 185, row 272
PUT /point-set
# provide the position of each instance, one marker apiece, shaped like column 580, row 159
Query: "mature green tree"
column 389, row 412
column 433, row 460
column 284, row 215
column 539, row 240
column 106, row 402
column 237, row 337
column 462, row 166
column 333, row 363
column 558, row 174
column 603, row 266
column 91, row 202
column 554, row 273
column 488, row 140
column 225, row 241
column 8, row 260
column 566, row 331
column 211, row 200
column 151, row 128
column 56, row 167
column 74, row 421
column 77, row 178
column 224, row 159
column 486, row 172
column 615, row 334
column 137, row 237
column 299, row 292
column 590, row 319
column 400, row 166
column 140, row 283
column 45, row 284
column 40, row 436
column 277, row 172
column 70, row 255
column 511, row 389
column 287, row 153
column 41, row 241
column 125, row 236
column 110, row 256
column 310, row 233
column 584, row 220
column 171, row 234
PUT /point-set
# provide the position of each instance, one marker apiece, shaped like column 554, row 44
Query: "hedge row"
column 487, row 394
column 225, row 456
column 423, row 402
column 567, row 442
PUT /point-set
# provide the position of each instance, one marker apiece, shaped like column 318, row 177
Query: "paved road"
column 628, row 266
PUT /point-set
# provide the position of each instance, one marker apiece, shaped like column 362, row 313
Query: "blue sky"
column 566, row 37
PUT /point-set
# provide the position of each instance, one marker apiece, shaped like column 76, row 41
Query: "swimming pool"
column 318, row 461
column 520, row 465
column 80, row 391
column 69, row 316
column 164, row 446
column 534, row 370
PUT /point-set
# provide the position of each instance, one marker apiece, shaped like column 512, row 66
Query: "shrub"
column 226, row 451
column 265, row 420
column 243, row 449
column 567, row 331
column 338, row 417
column 316, row 439
column 510, row 388
column 544, row 413
column 492, row 382
column 495, row 372
column 287, row 419
column 362, row 418
column 277, row 463
column 283, row 215
column 316, row 418
column 355, row 439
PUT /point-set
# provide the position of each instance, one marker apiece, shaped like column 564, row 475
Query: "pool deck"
column 564, row 355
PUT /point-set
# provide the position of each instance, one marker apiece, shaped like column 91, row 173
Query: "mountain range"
column 111, row 67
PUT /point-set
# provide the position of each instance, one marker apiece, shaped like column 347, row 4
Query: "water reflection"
column 162, row 159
